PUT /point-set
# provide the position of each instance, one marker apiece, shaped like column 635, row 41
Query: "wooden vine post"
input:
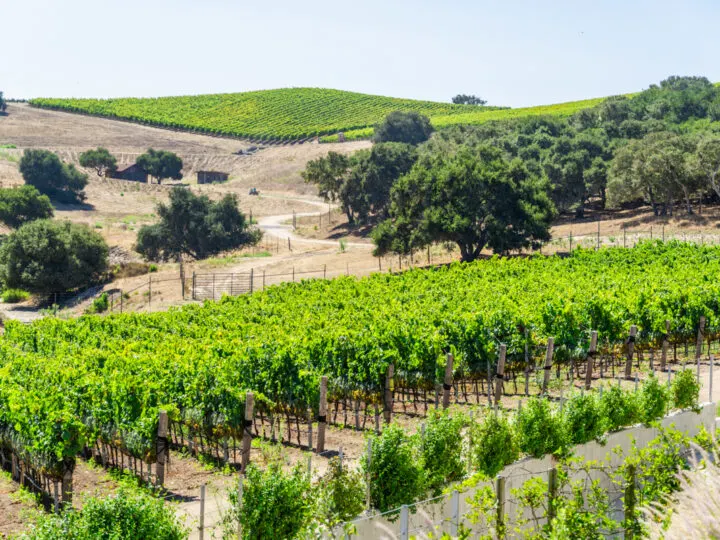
column 389, row 379
column 322, row 415
column 247, row 430
column 630, row 351
column 162, row 447
column 590, row 359
column 665, row 346
column 66, row 487
column 548, row 363
column 700, row 337
column 447, row 382
column 500, row 374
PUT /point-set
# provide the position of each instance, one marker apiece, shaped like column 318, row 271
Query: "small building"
column 211, row 177
column 130, row 172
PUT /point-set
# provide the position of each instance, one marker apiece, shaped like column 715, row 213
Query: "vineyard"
column 289, row 114
column 69, row 385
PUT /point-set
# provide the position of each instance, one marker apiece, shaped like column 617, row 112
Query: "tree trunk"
column 603, row 197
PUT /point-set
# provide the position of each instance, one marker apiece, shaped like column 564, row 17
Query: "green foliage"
column 123, row 516
column 23, row 204
column 161, row 164
column 403, row 127
column 583, row 418
column 59, row 181
column 13, row 296
column 539, row 430
column 48, row 256
column 474, row 198
column 341, row 494
column 441, row 450
column 394, row 470
column 653, row 399
column 99, row 159
column 99, row 304
column 196, row 226
column 619, row 407
column 275, row 504
column 494, row 444
column 464, row 99
column 685, row 390
column 152, row 268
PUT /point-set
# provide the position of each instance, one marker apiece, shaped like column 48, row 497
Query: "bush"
column 619, row 408
column 342, row 494
column 441, row 449
column 654, row 399
column 685, row 390
column 394, row 470
column 45, row 171
column 119, row 517
column 152, row 268
column 539, row 430
column 494, row 445
column 22, row 204
column 49, row 256
column 275, row 504
column 404, row 127
column 13, row 296
column 584, row 420
column 100, row 304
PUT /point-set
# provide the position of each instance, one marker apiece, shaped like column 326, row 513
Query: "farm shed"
column 130, row 172
column 211, row 177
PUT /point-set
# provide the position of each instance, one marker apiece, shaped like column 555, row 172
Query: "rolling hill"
column 288, row 114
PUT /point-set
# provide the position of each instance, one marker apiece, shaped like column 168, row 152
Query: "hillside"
column 289, row 114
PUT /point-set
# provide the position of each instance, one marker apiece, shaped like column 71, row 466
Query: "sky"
column 514, row 53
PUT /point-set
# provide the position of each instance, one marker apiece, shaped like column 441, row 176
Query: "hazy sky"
column 510, row 52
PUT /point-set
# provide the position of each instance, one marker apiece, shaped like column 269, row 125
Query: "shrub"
column 13, row 296
column 584, row 420
column 100, row 304
column 685, row 390
column 342, row 494
column 493, row 444
column 619, row 408
column 653, row 399
column 122, row 516
column 275, row 503
column 22, row 204
column 394, row 470
column 405, row 127
column 441, row 449
column 50, row 256
column 539, row 430
column 152, row 268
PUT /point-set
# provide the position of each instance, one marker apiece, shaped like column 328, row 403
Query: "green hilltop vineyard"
column 68, row 383
column 289, row 114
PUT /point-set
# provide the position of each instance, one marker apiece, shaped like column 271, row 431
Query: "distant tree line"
column 499, row 185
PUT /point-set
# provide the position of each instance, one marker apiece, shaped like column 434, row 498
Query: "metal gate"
column 214, row 286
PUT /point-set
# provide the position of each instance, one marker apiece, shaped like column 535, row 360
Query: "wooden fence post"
column 322, row 414
column 590, row 359
column 66, row 488
column 630, row 351
column 500, row 495
column 500, row 374
column 548, row 363
column 665, row 345
column 700, row 337
column 162, row 447
column 252, row 279
column 247, row 430
column 388, row 405
column 448, row 380
column 552, row 493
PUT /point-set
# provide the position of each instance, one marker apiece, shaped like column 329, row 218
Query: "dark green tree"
column 3, row 104
column 161, row 164
column 59, row 181
column 405, row 127
column 194, row 225
column 47, row 256
column 475, row 198
column 22, row 204
column 328, row 174
column 99, row 159
column 465, row 99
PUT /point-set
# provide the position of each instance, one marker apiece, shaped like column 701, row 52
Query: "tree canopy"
column 404, row 127
column 465, row 99
column 3, row 103
column 99, row 159
column 161, row 164
column 59, row 181
column 19, row 205
column 194, row 225
column 46, row 256
column 474, row 198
